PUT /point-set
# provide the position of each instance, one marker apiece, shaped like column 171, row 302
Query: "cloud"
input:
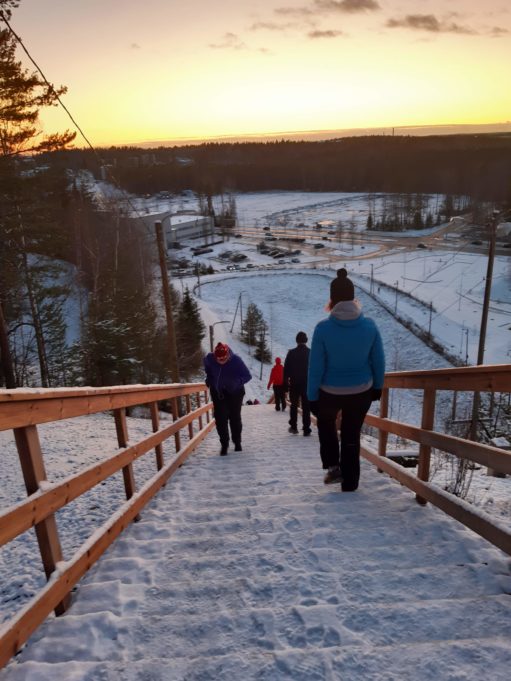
column 324, row 34
column 429, row 22
column 498, row 32
column 135, row 46
column 271, row 26
column 298, row 12
column 230, row 41
column 347, row 6
column 321, row 7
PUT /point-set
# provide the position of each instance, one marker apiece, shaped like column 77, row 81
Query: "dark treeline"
column 472, row 165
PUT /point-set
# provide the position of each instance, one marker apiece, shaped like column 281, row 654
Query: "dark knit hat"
column 221, row 351
column 301, row 337
column 341, row 287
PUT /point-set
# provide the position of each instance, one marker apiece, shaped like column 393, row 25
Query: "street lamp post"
column 211, row 332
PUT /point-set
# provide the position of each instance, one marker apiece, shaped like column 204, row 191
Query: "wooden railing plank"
column 19, row 409
column 16, row 632
column 485, row 378
column 28, row 513
column 486, row 455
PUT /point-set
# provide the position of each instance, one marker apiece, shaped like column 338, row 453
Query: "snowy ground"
column 291, row 300
column 248, row 567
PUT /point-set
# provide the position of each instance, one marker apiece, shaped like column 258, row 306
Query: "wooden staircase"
column 248, row 567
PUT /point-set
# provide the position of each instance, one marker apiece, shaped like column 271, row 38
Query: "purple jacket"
column 225, row 378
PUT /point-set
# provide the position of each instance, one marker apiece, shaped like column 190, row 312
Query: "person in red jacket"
column 277, row 380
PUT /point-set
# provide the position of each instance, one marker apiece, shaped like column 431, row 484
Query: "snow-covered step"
column 224, row 631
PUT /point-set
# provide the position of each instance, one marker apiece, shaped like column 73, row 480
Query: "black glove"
column 313, row 406
column 375, row 394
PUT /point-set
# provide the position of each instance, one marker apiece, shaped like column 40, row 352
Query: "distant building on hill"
column 181, row 227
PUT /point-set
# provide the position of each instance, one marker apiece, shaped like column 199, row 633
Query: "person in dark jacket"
column 295, row 378
column 346, row 372
column 277, row 381
column 226, row 375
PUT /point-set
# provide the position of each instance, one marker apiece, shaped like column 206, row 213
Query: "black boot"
column 237, row 447
column 223, row 451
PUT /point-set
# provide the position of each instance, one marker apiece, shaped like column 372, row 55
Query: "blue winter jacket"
column 345, row 353
column 225, row 378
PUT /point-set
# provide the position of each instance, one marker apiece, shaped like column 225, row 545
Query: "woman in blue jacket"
column 346, row 371
column 226, row 375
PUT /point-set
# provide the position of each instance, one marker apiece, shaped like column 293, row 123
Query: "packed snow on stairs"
column 248, row 567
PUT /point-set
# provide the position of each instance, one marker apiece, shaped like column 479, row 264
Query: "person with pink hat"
column 226, row 375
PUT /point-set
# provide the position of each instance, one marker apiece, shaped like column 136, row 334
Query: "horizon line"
column 419, row 130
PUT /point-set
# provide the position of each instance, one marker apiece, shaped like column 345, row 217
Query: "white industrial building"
column 182, row 226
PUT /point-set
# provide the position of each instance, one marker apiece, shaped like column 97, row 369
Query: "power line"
column 52, row 89
column 74, row 121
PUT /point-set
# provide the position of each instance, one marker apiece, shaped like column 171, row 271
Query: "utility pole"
column 397, row 288
column 197, row 272
column 174, row 368
column 484, row 317
column 372, row 280
column 430, row 318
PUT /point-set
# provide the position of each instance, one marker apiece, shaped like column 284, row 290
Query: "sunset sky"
column 163, row 69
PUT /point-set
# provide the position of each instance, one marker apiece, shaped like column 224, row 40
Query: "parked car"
column 238, row 236
column 282, row 262
column 477, row 242
column 325, row 238
column 266, row 229
column 319, row 245
column 295, row 259
column 421, row 245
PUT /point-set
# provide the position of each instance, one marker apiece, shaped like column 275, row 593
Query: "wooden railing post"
column 428, row 419
column 121, row 427
column 198, row 396
column 155, row 420
column 383, row 436
column 32, row 466
column 188, row 410
column 175, row 416
column 205, row 402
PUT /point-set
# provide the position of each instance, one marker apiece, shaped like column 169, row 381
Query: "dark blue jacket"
column 225, row 378
column 295, row 367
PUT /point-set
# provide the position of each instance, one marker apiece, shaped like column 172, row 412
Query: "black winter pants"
column 227, row 412
column 353, row 409
column 299, row 394
column 280, row 397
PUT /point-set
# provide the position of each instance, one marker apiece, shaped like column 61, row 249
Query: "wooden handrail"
column 19, row 408
column 22, row 411
column 39, row 506
column 20, row 627
column 485, row 378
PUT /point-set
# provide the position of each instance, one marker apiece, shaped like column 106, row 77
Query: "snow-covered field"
column 291, row 300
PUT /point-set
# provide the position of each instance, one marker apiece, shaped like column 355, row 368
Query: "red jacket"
column 277, row 374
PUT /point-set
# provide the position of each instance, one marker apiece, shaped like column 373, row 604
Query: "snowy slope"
column 248, row 567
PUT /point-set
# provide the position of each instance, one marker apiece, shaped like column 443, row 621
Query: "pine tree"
column 189, row 335
column 22, row 95
column 262, row 352
column 252, row 325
